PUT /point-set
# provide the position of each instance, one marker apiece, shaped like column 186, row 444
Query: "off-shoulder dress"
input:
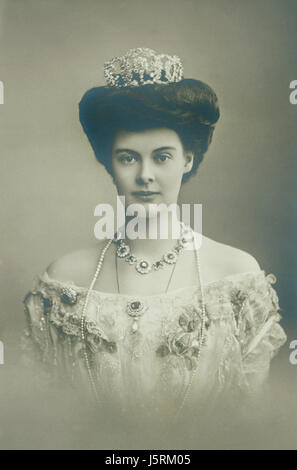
column 158, row 369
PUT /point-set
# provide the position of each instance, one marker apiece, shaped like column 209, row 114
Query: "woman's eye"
column 162, row 158
column 127, row 159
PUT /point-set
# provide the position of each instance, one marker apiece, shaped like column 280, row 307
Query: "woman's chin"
column 149, row 210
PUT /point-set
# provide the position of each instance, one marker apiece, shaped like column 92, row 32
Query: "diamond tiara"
column 142, row 66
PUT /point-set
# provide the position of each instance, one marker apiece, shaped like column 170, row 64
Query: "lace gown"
column 156, row 369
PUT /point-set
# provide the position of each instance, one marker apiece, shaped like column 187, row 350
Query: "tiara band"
column 142, row 66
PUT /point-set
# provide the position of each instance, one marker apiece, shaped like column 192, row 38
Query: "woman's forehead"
column 154, row 138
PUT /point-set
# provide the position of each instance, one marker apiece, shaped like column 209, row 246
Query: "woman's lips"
column 145, row 194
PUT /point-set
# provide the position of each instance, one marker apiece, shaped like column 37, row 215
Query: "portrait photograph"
column 148, row 189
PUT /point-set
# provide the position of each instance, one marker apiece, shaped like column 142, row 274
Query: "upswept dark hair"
column 189, row 107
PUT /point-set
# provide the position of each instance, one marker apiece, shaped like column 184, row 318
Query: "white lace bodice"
column 153, row 368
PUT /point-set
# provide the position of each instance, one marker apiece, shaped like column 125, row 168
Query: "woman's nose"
column 145, row 175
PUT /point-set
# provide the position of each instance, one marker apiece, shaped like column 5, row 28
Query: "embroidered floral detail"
column 93, row 343
column 180, row 344
column 92, row 328
column 190, row 319
column 97, row 340
column 71, row 329
column 110, row 346
column 237, row 297
column 96, row 344
column 185, row 341
column 74, row 318
column 163, row 350
column 187, row 323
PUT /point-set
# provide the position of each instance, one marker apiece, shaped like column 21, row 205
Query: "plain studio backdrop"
column 52, row 51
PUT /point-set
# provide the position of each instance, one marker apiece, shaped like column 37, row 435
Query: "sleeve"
column 260, row 333
column 38, row 341
column 52, row 350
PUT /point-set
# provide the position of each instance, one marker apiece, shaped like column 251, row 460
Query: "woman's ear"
column 189, row 160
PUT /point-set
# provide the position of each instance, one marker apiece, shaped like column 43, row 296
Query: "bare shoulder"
column 225, row 260
column 76, row 266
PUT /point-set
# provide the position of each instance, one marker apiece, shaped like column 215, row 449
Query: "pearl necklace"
column 83, row 329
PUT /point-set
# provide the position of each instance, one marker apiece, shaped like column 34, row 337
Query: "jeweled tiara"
column 142, row 66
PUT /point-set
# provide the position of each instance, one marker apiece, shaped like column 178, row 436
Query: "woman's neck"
column 151, row 238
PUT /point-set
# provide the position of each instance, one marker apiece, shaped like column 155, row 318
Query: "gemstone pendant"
column 134, row 326
column 135, row 309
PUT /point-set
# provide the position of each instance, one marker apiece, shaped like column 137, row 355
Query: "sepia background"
column 52, row 51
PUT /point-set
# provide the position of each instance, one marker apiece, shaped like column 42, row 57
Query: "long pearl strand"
column 83, row 326
column 202, row 340
column 83, row 319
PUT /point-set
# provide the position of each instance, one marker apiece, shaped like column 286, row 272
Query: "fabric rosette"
column 185, row 341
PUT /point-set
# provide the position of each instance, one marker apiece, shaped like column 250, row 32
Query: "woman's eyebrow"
column 125, row 150
column 164, row 148
column 159, row 149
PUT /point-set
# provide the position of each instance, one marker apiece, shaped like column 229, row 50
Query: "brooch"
column 68, row 295
column 135, row 309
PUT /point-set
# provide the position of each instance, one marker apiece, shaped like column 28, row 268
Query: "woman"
column 182, row 323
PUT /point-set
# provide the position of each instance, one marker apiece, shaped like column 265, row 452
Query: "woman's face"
column 148, row 166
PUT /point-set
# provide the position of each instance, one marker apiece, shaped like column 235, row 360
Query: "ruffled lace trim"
column 63, row 301
column 220, row 286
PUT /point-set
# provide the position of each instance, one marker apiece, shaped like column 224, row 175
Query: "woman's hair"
column 189, row 107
